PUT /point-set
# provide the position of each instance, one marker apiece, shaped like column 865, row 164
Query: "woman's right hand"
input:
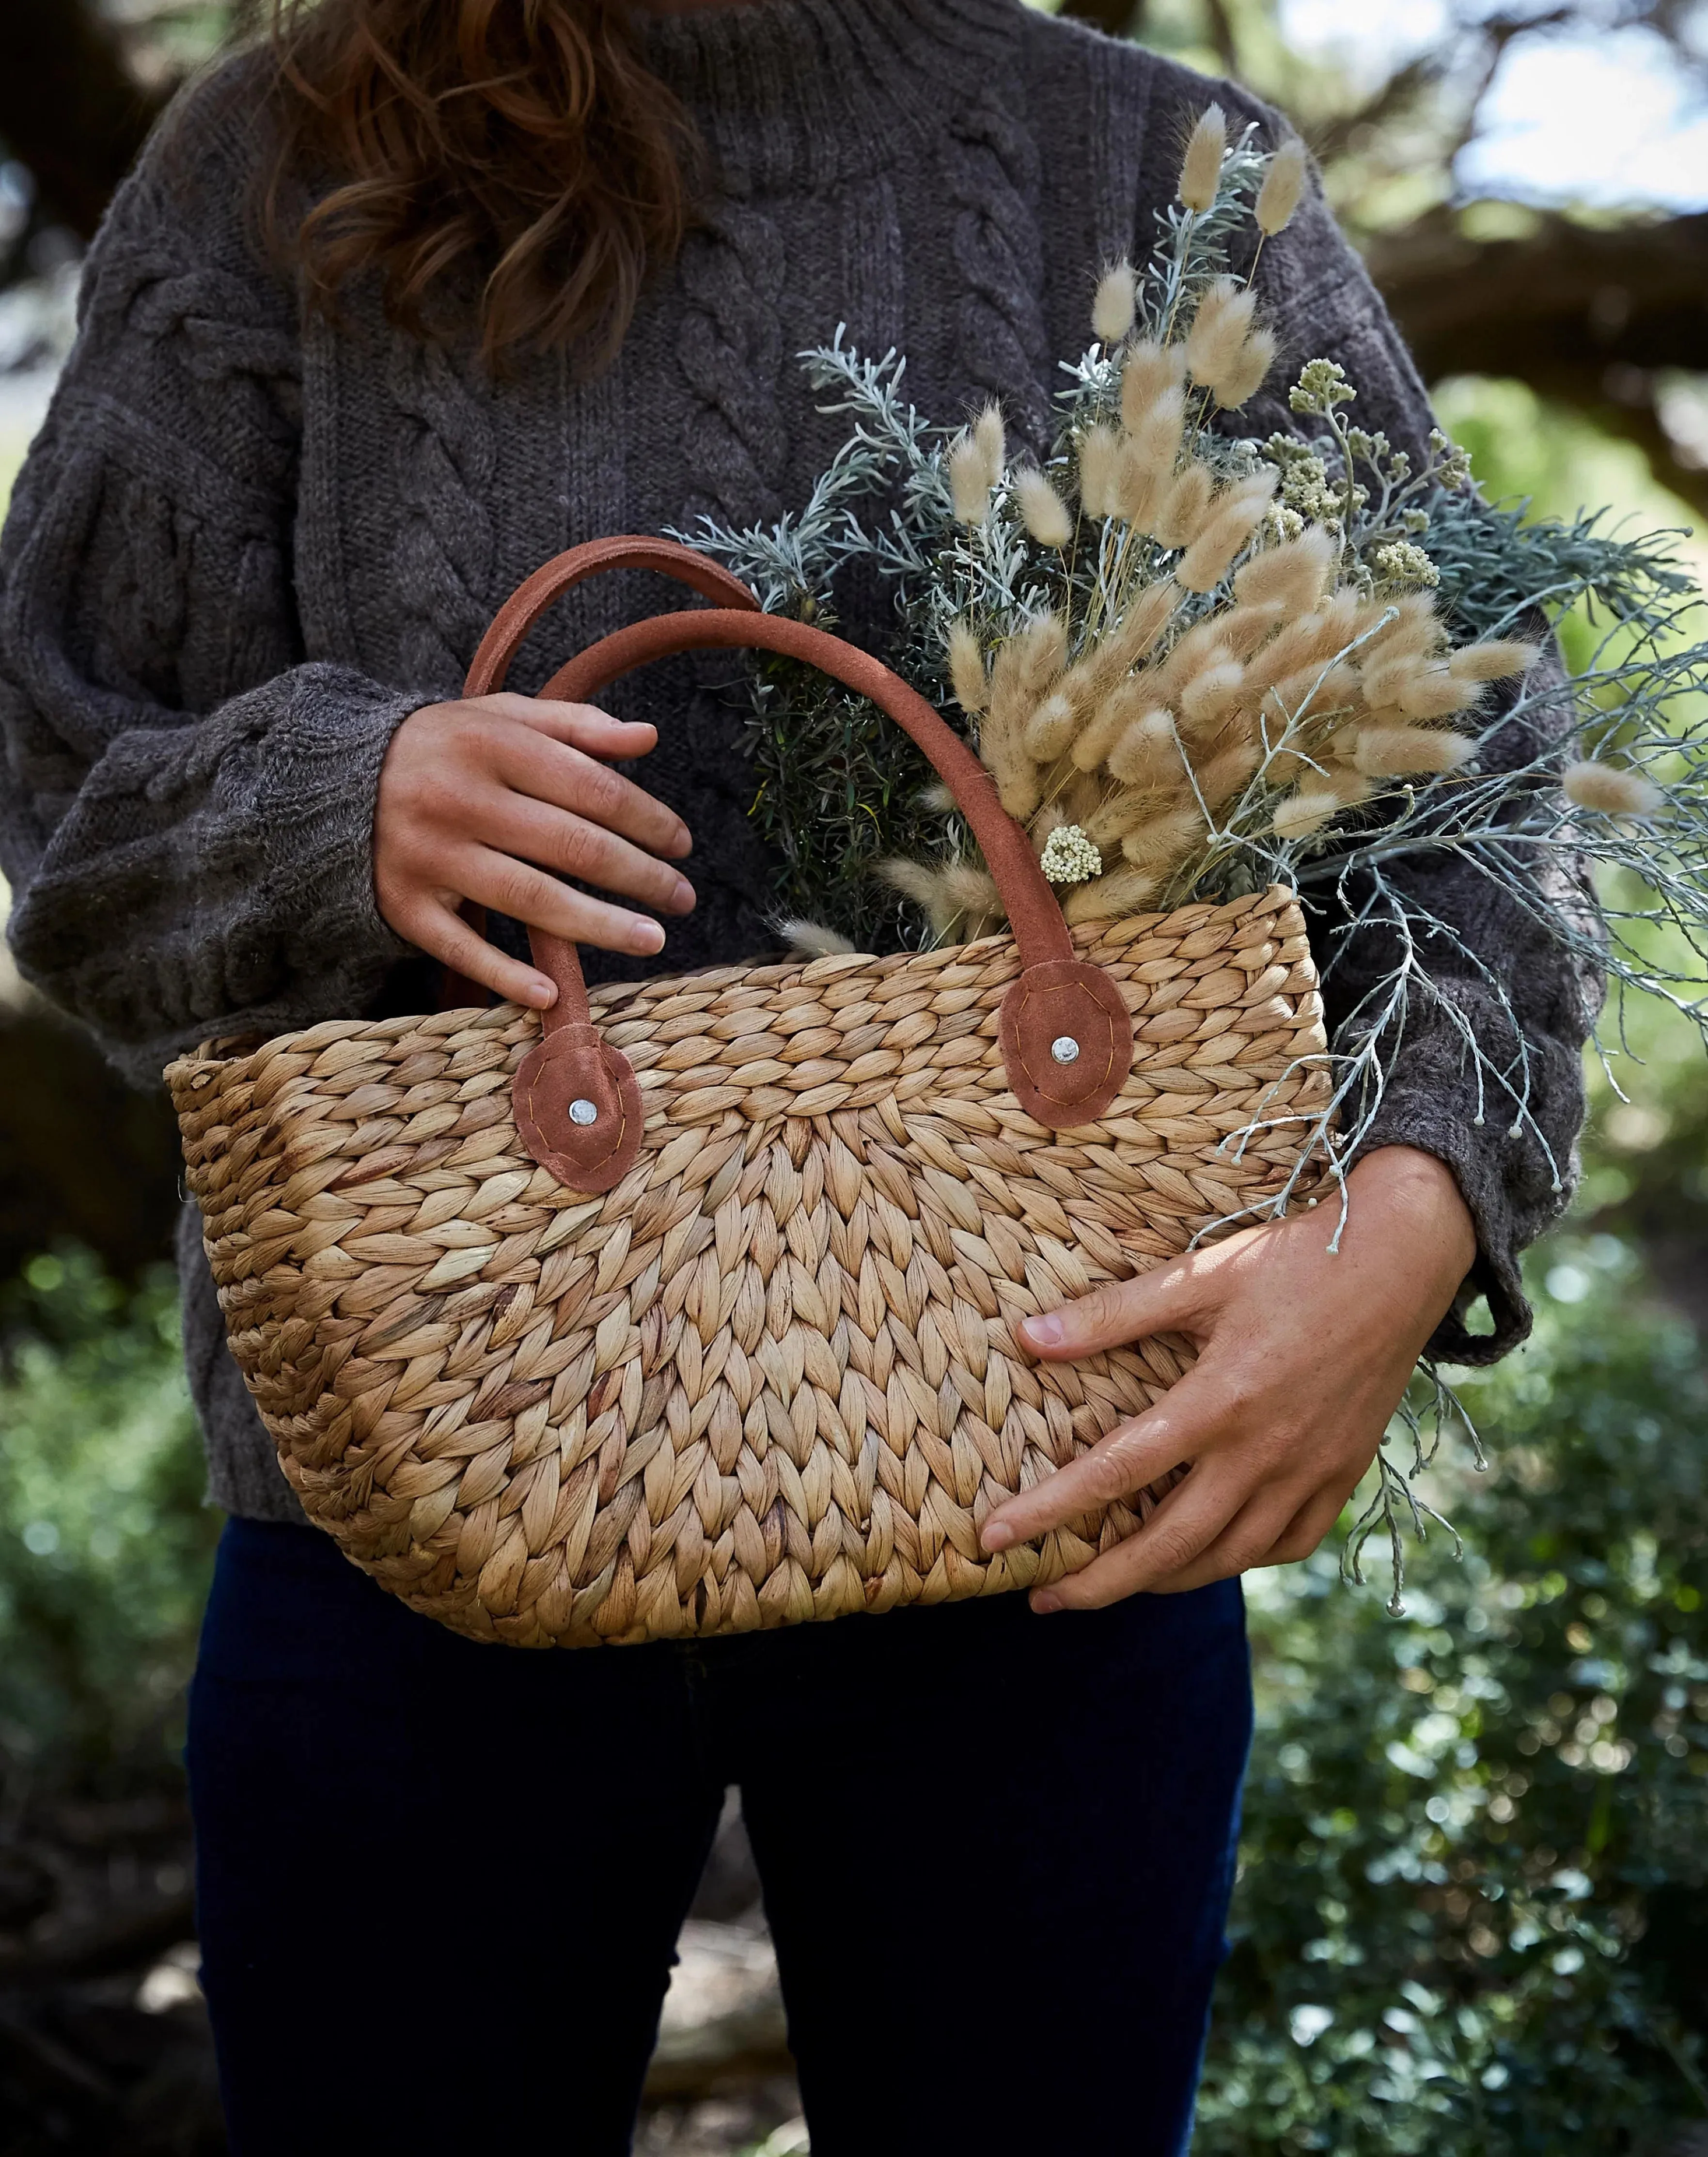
column 479, row 798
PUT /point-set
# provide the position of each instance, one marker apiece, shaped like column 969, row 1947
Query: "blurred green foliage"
column 1474, row 1895
column 104, row 1543
column 1473, row 1912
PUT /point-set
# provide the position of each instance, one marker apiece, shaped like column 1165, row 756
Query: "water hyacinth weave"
column 772, row 1375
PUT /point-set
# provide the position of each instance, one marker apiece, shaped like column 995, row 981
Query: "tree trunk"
column 70, row 108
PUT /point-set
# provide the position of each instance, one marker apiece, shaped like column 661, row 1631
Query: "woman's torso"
column 941, row 177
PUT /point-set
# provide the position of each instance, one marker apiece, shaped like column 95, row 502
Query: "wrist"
column 1421, row 1200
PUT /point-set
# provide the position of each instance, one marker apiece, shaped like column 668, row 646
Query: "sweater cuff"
column 324, row 781
column 1495, row 1273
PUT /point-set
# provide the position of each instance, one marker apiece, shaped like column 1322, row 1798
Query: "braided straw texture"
column 772, row 1376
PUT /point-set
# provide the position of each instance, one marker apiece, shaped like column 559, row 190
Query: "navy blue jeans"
column 439, row 1884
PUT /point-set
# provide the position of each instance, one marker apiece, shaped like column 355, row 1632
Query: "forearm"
column 209, row 874
column 187, row 809
column 1472, row 1045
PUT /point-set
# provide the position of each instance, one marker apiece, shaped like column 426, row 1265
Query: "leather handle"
column 1033, row 913
column 490, row 666
column 1066, row 1036
column 530, row 599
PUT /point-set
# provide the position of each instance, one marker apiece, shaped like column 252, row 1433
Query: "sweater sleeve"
column 186, row 805
column 1502, row 977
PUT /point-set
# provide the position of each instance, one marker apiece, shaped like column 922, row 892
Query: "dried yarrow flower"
column 1069, row 856
column 1400, row 562
column 1322, row 384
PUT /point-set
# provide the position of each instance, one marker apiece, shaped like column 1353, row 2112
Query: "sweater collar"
column 800, row 92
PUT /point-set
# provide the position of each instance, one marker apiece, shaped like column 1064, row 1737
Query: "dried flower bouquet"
column 1197, row 662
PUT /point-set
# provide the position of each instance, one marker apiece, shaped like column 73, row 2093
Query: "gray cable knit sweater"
column 249, row 542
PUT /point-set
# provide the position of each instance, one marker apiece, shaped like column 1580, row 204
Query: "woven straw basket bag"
column 690, row 1308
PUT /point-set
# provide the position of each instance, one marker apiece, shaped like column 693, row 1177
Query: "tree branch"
column 1586, row 314
column 1113, row 18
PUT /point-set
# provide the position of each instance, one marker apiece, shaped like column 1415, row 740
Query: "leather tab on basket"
column 577, row 1108
column 1067, row 1042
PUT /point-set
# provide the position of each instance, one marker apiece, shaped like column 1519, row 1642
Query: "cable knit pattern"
column 446, row 459
column 246, row 545
column 990, row 166
column 873, row 273
column 730, row 350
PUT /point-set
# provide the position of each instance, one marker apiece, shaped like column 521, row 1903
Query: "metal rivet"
column 1064, row 1048
column 583, row 1112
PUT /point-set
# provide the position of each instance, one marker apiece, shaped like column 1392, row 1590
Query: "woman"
column 538, row 274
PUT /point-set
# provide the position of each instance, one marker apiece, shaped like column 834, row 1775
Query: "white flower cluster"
column 1307, row 491
column 1069, row 856
column 1321, row 386
column 1400, row 563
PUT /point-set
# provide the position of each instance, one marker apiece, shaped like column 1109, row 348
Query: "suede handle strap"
column 490, row 664
column 530, row 599
column 1033, row 913
column 590, row 1136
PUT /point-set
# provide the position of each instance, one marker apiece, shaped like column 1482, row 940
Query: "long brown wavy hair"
column 522, row 142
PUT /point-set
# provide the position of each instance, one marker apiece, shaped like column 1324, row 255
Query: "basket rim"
column 212, row 1056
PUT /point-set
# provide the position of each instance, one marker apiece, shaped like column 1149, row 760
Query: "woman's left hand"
column 1303, row 1356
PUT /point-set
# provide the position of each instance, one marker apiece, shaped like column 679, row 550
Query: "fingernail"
column 1044, row 1332
column 683, row 843
column 997, row 1536
column 651, row 938
column 542, row 993
column 682, row 896
column 1044, row 1602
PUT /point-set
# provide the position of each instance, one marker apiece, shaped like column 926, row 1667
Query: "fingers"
column 479, row 798
column 433, row 925
column 1135, row 1454
column 531, row 831
column 1187, row 1523
column 581, row 726
column 1173, row 1299
column 1310, row 1526
column 529, row 895
column 563, row 765
column 1272, row 1528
